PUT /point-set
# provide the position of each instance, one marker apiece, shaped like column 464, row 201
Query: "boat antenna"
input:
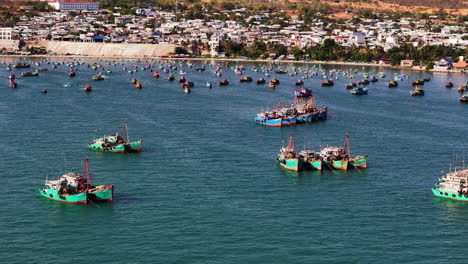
column 347, row 145
column 126, row 130
column 87, row 171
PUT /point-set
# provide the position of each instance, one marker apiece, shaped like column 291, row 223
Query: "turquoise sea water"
column 207, row 189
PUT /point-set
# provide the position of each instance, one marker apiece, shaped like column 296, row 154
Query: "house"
column 357, row 38
column 461, row 66
column 443, row 64
column 385, row 61
column 407, row 63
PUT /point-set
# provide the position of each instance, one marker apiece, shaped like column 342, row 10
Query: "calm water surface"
column 207, row 189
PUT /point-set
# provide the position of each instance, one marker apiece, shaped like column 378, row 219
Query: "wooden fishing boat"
column 462, row 89
column 223, row 82
column 464, row 99
column 275, row 81
column 261, row 81
column 311, row 160
column 30, row 74
column 328, row 82
column 98, row 77
column 116, row 143
column 77, row 188
column 392, row 84
column 288, row 159
column 299, row 82
column 359, row 91
column 304, row 92
column 245, row 79
column 21, row 65
column 88, row 88
column 449, row 84
column 419, row 91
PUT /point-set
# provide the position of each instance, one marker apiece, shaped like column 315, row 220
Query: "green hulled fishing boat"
column 76, row 188
column 453, row 185
column 287, row 157
column 340, row 158
column 115, row 143
column 358, row 161
column 311, row 160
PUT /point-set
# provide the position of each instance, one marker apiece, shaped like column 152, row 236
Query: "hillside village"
column 237, row 33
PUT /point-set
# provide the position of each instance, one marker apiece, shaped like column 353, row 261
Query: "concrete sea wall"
column 106, row 49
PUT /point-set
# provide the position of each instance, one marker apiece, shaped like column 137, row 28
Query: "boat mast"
column 126, row 130
column 87, row 171
column 347, row 145
column 291, row 145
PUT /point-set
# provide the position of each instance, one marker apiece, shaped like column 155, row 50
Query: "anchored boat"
column 76, row 188
column 453, row 185
column 287, row 157
column 116, row 143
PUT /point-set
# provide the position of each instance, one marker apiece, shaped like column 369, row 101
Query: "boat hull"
column 338, row 164
column 450, row 195
column 80, row 198
column 106, row 194
column 294, row 164
column 359, row 162
column 314, row 165
column 119, row 148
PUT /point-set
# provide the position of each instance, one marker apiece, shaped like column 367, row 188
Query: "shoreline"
column 363, row 64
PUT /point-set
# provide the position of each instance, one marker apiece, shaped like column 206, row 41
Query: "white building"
column 74, row 6
column 6, row 33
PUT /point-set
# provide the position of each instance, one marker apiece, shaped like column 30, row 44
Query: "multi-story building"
column 74, row 6
column 6, row 33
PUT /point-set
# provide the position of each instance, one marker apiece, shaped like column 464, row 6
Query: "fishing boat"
column 116, row 143
column 138, row 85
column 44, row 91
column 299, row 82
column 392, row 83
column 419, row 91
column 350, row 85
column 71, row 74
column 275, row 81
column 272, row 86
column 273, row 119
column 170, row 77
column 245, row 79
column 21, row 65
column 288, row 159
column 98, row 77
column 328, row 82
column 449, row 84
column 281, row 71
column 417, row 83
column 209, row 85
column 359, row 91
column 335, row 158
column 13, row 84
column 340, row 158
column 311, row 160
column 453, row 185
column 304, row 92
column 30, row 74
column 76, row 188
column 462, row 88
column 223, row 82
column 427, row 79
column 261, row 81
column 156, row 75
column 87, row 88
column 463, row 99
